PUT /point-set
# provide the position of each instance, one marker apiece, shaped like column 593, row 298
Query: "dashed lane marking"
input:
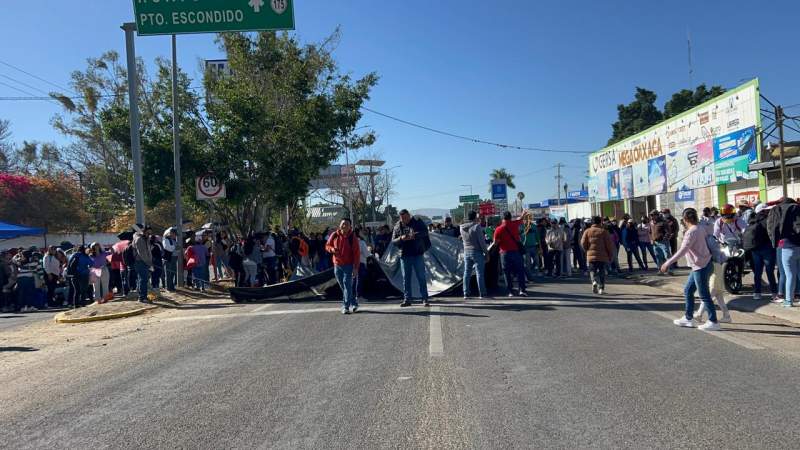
column 436, row 347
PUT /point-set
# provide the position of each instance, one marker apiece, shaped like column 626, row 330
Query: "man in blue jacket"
column 411, row 236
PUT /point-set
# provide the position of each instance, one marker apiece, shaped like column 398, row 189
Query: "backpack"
column 716, row 251
column 129, row 255
column 755, row 235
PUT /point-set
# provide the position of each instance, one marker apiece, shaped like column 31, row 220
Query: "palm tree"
column 499, row 174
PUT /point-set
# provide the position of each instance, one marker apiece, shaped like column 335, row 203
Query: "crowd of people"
column 529, row 250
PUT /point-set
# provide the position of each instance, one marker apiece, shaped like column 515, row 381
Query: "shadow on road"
column 18, row 349
column 12, row 317
column 422, row 313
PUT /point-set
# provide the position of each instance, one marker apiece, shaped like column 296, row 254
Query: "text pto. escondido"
column 193, row 17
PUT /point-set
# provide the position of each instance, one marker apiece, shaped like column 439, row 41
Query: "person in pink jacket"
column 698, row 257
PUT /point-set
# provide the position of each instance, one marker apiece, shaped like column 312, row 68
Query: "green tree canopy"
column 283, row 114
column 636, row 116
column 685, row 99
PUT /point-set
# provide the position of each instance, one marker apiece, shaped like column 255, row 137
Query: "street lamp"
column 388, row 189
column 469, row 186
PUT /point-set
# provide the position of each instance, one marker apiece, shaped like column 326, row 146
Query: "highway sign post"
column 469, row 199
column 154, row 17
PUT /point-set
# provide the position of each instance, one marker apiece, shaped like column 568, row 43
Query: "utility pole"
column 176, row 162
column 779, row 123
column 133, row 97
column 558, row 182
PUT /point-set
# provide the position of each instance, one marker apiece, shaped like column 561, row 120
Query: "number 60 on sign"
column 209, row 187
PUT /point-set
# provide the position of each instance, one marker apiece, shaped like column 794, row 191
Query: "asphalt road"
column 562, row 369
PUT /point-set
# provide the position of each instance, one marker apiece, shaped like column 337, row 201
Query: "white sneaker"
column 726, row 318
column 594, row 287
column 757, row 296
column 709, row 326
column 601, row 291
column 684, row 322
column 698, row 315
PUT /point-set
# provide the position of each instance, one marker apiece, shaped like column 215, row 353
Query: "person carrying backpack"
column 756, row 240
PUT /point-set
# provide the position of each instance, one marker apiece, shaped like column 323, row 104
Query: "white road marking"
column 403, row 378
column 263, row 307
column 436, row 347
column 717, row 334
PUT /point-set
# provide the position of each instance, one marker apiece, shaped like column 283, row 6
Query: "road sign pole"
column 133, row 97
column 176, row 150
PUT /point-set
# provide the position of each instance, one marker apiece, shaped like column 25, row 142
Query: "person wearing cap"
column 169, row 244
column 144, row 259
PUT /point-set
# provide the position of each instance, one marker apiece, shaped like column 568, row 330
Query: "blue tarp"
column 10, row 231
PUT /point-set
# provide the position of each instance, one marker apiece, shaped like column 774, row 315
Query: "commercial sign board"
column 155, row 17
column 578, row 195
column 499, row 190
column 707, row 145
column 487, row 209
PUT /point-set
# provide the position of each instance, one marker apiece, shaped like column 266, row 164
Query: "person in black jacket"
column 756, row 240
column 411, row 236
column 783, row 227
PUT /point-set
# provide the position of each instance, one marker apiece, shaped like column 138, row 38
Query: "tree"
column 42, row 202
column 6, row 148
column 685, row 99
column 283, row 114
column 360, row 188
column 636, row 116
column 99, row 123
column 502, row 174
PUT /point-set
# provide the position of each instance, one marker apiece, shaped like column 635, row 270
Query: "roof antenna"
column 689, row 46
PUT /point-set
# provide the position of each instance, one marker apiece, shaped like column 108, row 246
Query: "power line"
column 471, row 139
column 24, row 84
column 33, row 97
column 15, row 88
column 34, row 76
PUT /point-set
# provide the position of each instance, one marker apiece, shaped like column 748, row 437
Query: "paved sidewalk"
column 743, row 302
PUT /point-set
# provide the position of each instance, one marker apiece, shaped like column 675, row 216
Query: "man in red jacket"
column 506, row 236
column 344, row 246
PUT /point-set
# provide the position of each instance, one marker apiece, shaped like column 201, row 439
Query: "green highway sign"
column 211, row 16
column 469, row 199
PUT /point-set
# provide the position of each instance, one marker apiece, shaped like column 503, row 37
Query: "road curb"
column 60, row 318
column 739, row 303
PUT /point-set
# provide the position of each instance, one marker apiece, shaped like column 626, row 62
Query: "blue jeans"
column 479, row 261
column 645, row 247
column 200, row 276
column 698, row 281
column 171, row 272
column 662, row 253
column 142, row 276
column 790, row 260
column 764, row 258
column 512, row 266
column 344, row 276
column 409, row 264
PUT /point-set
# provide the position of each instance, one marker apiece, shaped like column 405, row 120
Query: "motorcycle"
column 734, row 264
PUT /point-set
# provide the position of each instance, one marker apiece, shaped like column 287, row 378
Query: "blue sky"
column 531, row 73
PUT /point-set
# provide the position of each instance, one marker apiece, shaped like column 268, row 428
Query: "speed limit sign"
column 209, row 187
